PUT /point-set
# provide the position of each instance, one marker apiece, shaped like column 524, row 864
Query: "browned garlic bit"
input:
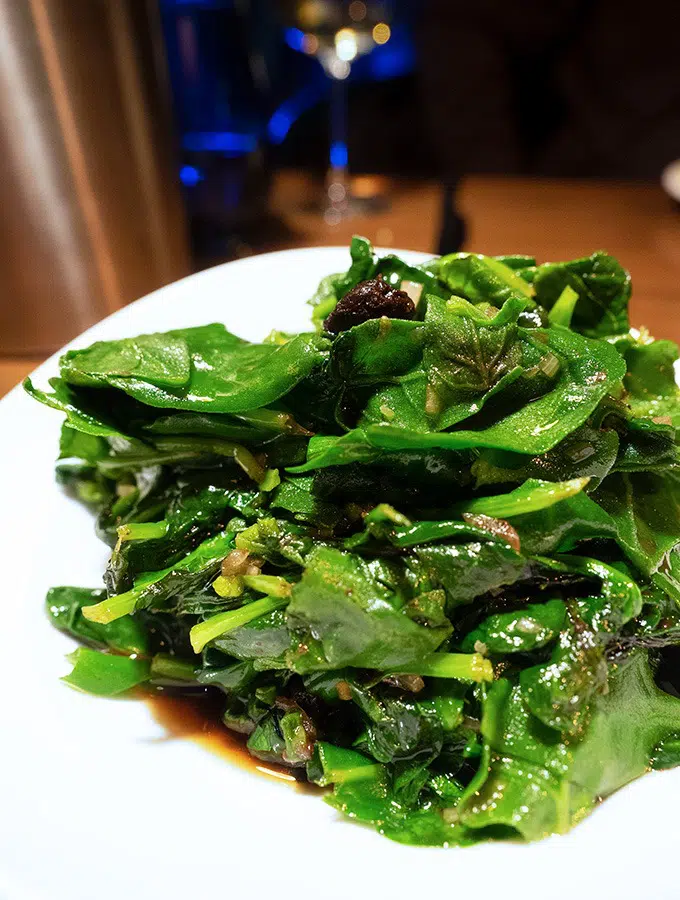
column 499, row 527
column 240, row 562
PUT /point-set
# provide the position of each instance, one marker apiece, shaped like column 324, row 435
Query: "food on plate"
column 425, row 552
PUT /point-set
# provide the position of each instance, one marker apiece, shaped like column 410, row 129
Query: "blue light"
column 294, row 38
column 190, row 176
column 338, row 155
column 279, row 125
column 219, row 142
column 291, row 109
column 393, row 59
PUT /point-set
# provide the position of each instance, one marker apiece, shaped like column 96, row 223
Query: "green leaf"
column 568, row 777
column 645, row 508
column 466, row 570
column 589, row 370
column 264, row 639
column 296, row 496
column 228, row 375
column 585, row 453
column 533, row 496
column 603, row 289
column 647, row 446
column 560, row 691
column 64, row 399
column 162, row 359
column 157, row 589
column 519, row 631
column 376, row 351
column 651, row 380
column 563, row 310
column 561, row 527
column 336, row 765
column 151, row 546
column 621, row 598
column 631, row 722
column 481, row 279
column 216, row 626
column 75, row 444
column 104, row 674
column 64, row 606
column 345, row 617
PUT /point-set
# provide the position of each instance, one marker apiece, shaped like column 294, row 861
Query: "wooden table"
column 549, row 218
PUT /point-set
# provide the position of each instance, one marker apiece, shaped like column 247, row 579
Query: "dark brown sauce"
column 197, row 717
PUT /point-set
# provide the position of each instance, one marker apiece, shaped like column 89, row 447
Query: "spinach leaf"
column 520, row 631
column 533, row 496
column 481, row 279
column 162, row 359
column 64, row 606
column 603, row 289
column 227, row 374
column 560, row 691
column 77, row 416
column 343, row 616
column 650, row 381
column 466, row 571
column 586, row 453
column 561, row 527
column 156, row 590
column 104, row 674
column 297, row 496
column 645, row 508
column 589, row 370
column 629, row 724
column 150, row 546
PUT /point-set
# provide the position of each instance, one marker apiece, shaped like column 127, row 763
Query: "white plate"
column 94, row 804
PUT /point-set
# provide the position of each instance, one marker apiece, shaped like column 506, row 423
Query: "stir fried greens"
column 427, row 552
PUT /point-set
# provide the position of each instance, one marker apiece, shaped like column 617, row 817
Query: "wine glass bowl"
column 337, row 32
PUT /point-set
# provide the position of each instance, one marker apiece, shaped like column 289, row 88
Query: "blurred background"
column 146, row 139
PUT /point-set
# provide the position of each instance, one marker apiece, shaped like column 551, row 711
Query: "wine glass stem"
column 338, row 172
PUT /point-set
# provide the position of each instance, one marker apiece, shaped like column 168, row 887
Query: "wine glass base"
column 349, row 198
column 353, row 207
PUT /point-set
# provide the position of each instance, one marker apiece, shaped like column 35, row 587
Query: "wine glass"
column 337, row 32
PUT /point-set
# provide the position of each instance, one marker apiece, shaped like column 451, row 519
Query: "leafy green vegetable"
column 645, row 508
column 227, row 375
column 520, row 631
column 344, row 616
column 603, row 290
column 64, row 606
column 650, row 380
column 432, row 564
column 104, row 674
column 589, row 370
column 157, row 589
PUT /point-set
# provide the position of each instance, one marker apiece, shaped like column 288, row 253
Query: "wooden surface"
column 548, row 218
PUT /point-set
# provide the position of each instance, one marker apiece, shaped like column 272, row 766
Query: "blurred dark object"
column 452, row 230
column 569, row 87
column 91, row 214
column 251, row 98
column 223, row 60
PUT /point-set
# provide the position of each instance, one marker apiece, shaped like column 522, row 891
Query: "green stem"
column 463, row 666
column 563, row 308
column 170, row 668
column 272, row 585
column 522, row 501
column 220, row 624
column 142, row 531
column 668, row 585
column 196, row 445
column 113, row 608
column 203, row 557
